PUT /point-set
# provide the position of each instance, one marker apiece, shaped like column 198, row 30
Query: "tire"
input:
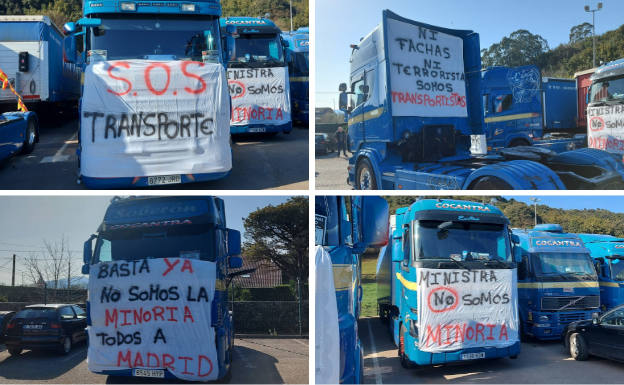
column 31, row 137
column 365, row 176
column 490, row 183
column 578, row 347
column 66, row 345
column 405, row 362
column 15, row 351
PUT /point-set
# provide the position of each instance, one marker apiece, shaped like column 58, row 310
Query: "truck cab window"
column 357, row 97
column 502, row 103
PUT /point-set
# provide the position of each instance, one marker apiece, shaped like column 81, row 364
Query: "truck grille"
column 574, row 302
column 565, row 319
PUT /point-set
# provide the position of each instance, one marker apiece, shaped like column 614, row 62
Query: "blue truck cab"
column 523, row 109
column 297, row 57
column 439, row 249
column 607, row 252
column 258, row 77
column 345, row 226
column 137, row 229
column 557, row 283
column 415, row 117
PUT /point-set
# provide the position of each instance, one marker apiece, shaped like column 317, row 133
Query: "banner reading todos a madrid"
column 459, row 309
column 145, row 118
column 153, row 313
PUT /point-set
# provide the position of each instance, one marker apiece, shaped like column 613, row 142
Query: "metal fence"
column 270, row 317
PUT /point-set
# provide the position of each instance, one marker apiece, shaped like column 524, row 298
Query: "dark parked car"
column 56, row 326
column 5, row 317
column 323, row 144
column 602, row 336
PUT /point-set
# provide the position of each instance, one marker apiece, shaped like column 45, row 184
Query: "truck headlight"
column 544, row 318
column 127, row 6
column 188, row 8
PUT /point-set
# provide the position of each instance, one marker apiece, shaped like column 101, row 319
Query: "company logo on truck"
column 557, row 243
column 462, row 206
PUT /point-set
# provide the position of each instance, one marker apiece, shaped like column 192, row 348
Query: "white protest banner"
column 147, row 118
column 605, row 128
column 426, row 71
column 459, row 309
column 153, row 314
column 259, row 96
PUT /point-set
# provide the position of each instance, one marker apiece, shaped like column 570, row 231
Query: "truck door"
column 357, row 97
column 500, row 125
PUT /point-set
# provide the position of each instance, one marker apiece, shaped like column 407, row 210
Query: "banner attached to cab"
column 147, row 118
column 153, row 314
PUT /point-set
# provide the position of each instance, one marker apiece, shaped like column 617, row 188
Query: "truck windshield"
column 256, row 50
column 568, row 265
column 604, row 90
column 617, row 269
column 139, row 38
column 466, row 240
column 299, row 64
column 193, row 242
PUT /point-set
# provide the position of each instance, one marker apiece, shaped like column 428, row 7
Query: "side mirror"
column 374, row 221
column 285, row 43
column 342, row 87
column 69, row 28
column 231, row 33
column 365, row 89
column 87, row 252
column 69, row 49
column 85, row 269
column 595, row 318
column 342, row 101
column 233, row 242
column 515, row 239
column 397, row 247
column 235, row 262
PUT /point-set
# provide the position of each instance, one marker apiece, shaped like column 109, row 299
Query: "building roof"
column 267, row 274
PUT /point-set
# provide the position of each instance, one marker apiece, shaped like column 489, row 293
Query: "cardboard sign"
column 605, row 128
column 426, row 72
column 459, row 309
column 147, row 118
column 153, row 314
column 259, row 96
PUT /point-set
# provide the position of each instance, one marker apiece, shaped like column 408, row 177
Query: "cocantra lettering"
column 462, row 206
column 557, row 242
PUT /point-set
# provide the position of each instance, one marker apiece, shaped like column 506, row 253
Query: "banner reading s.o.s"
column 459, row 309
column 146, row 118
column 426, row 71
column 605, row 128
column 153, row 314
column 259, row 96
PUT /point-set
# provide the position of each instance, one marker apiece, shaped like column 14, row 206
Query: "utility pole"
column 535, row 200
column 291, row 23
column 593, row 11
column 13, row 274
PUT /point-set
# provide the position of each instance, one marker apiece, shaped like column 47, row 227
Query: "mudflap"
column 588, row 168
column 519, row 174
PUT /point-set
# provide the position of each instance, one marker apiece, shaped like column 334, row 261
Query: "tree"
column 53, row 266
column 580, row 32
column 280, row 234
column 520, row 48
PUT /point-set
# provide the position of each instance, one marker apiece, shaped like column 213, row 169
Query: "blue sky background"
column 611, row 203
column 26, row 221
column 340, row 23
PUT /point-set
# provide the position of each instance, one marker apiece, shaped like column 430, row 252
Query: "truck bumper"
column 261, row 128
column 112, row 183
column 552, row 327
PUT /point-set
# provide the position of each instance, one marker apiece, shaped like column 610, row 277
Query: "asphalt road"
column 331, row 172
column 259, row 162
column 538, row 362
column 256, row 361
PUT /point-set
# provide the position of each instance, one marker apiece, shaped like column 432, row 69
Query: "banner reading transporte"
column 259, row 96
column 147, row 118
column 153, row 314
column 426, row 71
column 459, row 309
column 605, row 128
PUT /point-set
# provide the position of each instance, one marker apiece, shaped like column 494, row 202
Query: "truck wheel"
column 490, row 183
column 578, row 347
column 405, row 361
column 31, row 137
column 15, row 351
column 365, row 176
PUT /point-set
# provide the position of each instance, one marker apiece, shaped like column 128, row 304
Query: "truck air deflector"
column 520, row 175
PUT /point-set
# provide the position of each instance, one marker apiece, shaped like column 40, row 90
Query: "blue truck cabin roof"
column 299, row 40
column 609, row 245
column 250, row 25
column 614, row 68
column 544, row 240
column 450, row 209
column 170, row 7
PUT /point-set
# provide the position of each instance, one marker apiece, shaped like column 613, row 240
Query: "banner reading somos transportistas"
column 459, row 309
column 426, row 71
column 153, row 314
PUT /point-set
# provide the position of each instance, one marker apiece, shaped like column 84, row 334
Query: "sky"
column 611, row 203
column 27, row 221
column 344, row 22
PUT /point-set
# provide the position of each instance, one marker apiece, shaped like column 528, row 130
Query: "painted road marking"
column 59, row 157
column 374, row 355
column 301, row 342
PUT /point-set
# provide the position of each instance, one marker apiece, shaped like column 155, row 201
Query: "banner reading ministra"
column 259, row 96
column 145, row 118
column 459, row 309
column 153, row 313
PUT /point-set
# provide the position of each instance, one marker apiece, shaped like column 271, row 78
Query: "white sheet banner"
column 327, row 334
column 605, row 128
column 153, row 314
column 259, row 96
column 147, row 118
column 426, row 71
column 460, row 309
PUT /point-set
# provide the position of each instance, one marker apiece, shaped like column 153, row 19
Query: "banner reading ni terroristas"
column 153, row 313
column 426, row 71
column 259, row 96
column 459, row 309
column 145, row 118
column 605, row 128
